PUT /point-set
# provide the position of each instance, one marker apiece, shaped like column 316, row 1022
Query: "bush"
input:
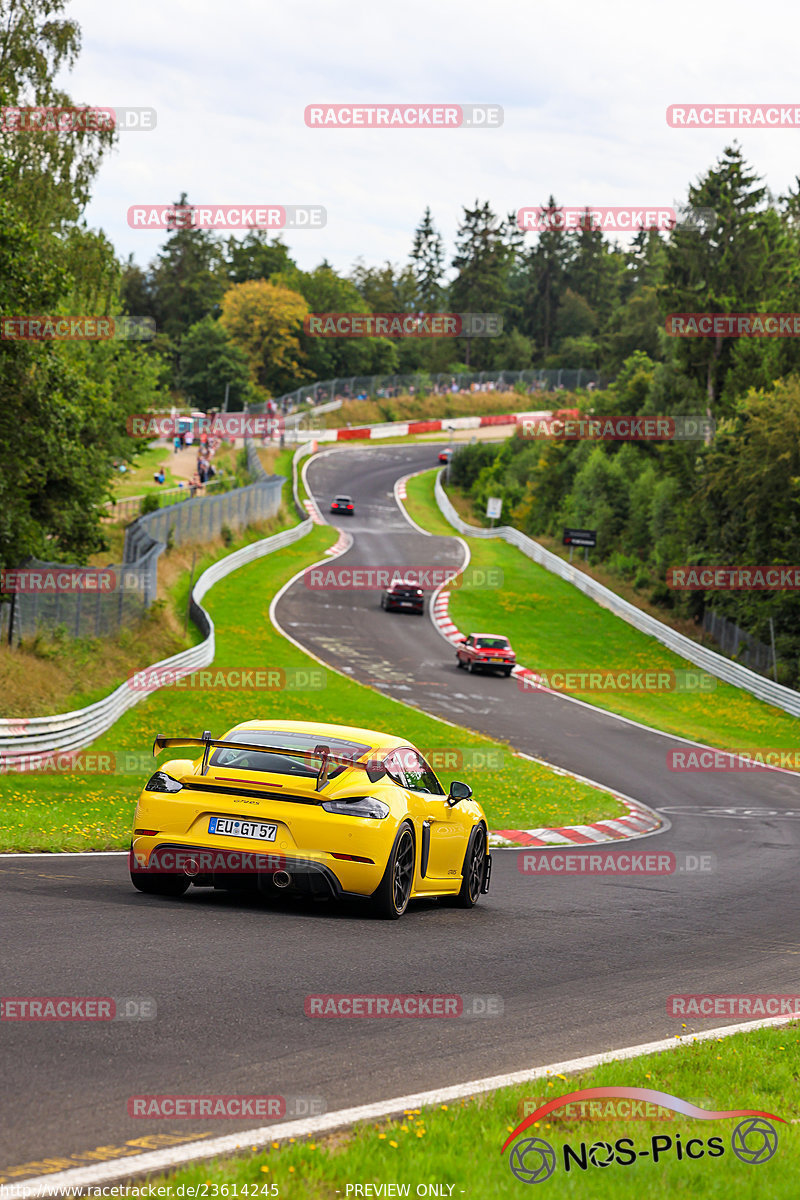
column 226, row 533
column 663, row 596
column 150, row 503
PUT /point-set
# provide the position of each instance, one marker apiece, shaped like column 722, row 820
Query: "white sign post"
column 494, row 506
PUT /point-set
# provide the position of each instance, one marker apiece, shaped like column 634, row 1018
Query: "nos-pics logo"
column 754, row 1139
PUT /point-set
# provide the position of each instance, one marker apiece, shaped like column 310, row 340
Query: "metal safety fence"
column 332, row 392
column 734, row 640
column 96, row 602
column 204, row 517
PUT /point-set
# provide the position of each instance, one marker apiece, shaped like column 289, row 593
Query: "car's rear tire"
column 390, row 898
column 508, row 671
column 473, row 869
column 472, row 666
column 459, row 663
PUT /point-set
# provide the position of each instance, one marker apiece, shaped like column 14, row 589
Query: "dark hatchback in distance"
column 402, row 594
column 343, row 504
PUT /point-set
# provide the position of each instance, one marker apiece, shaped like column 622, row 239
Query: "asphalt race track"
column 581, row 964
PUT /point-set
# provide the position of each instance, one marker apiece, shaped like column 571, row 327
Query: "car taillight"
column 162, row 782
column 358, row 806
column 349, row 506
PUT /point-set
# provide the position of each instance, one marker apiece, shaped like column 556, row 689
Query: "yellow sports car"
column 325, row 810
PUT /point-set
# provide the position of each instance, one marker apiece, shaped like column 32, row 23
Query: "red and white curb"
column 639, row 821
column 441, row 618
column 436, row 425
column 313, row 512
column 342, row 543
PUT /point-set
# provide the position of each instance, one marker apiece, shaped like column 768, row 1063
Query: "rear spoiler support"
column 374, row 768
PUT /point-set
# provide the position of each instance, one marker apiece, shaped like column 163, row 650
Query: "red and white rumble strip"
column 313, row 512
column 406, row 428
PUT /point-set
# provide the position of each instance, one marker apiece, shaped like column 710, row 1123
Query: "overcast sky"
column 584, row 87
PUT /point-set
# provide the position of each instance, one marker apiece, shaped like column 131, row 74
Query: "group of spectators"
column 204, row 469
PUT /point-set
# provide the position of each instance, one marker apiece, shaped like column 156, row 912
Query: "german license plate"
column 258, row 831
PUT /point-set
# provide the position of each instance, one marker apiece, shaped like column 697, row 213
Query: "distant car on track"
column 486, row 652
column 343, row 504
column 405, row 595
column 324, row 810
column 446, row 454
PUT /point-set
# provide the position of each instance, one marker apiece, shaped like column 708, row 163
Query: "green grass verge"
column 459, row 1143
column 94, row 812
column 553, row 626
column 138, row 479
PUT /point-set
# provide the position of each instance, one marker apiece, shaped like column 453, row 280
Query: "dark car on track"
column 343, row 504
column 405, row 595
column 486, row 652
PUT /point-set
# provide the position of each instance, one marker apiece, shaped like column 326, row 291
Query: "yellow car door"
column 443, row 831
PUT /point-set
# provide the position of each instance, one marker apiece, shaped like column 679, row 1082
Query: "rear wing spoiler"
column 374, row 768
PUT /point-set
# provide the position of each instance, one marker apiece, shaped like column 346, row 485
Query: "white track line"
column 158, row 1161
column 63, row 853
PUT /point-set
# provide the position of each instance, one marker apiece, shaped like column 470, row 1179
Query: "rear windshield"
column 492, row 643
column 282, row 763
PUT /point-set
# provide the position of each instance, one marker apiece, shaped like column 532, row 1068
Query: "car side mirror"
column 458, row 791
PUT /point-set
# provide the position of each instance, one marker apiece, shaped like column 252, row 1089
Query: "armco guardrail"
column 20, row 737
column 708, row 660
column 299, row 453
